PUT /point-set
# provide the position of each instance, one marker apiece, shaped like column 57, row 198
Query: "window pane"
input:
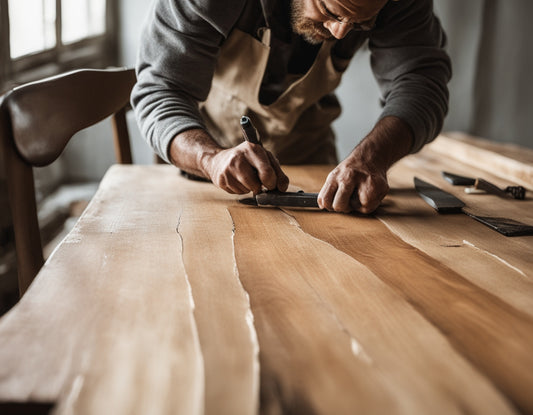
column 81, row 19
column 31, row 26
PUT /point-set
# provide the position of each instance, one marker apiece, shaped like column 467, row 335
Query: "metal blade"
column 288, row 199
column 505, row 226
column 248, row 201
column 438, row 199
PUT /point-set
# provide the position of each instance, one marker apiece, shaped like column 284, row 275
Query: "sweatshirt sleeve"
column 411, row 67
column 179, row 44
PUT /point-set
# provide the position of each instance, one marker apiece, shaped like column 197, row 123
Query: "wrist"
column 194, row 151
column 390, row 140
column 205, row 160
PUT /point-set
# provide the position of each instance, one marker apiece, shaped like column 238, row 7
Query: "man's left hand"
column 360, row 183
column 352, row 186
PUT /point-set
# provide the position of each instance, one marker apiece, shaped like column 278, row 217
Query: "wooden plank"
column 493, row 334
column 149, row 305
column 512, row 162
column 336, row 339
column 469, row 248
column 107, row 326
column 306, row 359
column 222, row 308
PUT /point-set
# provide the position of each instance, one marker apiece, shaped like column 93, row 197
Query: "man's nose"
column 337, row 29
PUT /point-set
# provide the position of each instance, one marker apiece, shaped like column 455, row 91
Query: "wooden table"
column 170, row 297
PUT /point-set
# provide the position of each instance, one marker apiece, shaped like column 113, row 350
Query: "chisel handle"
column 515, row 192
column 249, row 132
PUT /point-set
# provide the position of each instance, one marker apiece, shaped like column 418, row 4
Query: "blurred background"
column 489, row 94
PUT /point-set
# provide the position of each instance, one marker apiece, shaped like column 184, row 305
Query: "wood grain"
column 312, row 303
column 493, row 335
column 511, row 162
column 110, row 313
column 171, row 297
column 222, row 309
column 472, row 250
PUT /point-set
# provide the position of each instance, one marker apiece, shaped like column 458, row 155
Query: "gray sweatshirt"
column 181, row 40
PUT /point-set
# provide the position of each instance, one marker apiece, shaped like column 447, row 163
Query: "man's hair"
column 352, row 6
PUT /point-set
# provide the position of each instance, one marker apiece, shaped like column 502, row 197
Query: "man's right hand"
column 245, row 168
column 241, row 169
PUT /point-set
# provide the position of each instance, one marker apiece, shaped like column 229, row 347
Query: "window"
column 44, row 37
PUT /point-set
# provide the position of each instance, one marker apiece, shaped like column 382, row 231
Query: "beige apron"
column 297, row 126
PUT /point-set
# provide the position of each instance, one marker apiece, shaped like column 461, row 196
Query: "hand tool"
column 515, row 192
column 289, row 199
column 444, row 202
column 249, row 131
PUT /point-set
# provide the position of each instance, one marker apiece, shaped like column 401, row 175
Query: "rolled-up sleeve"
column 411, row 67
column 179, row 45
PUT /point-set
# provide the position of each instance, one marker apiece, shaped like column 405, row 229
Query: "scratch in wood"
column 358, row 351
column 68, row 406
column 503, row 261
column 191, row 297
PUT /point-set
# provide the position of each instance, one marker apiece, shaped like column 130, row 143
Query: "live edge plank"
column 222, row 308
column 184, row 301
column 94, row 347
column 371, row 352
column 494, row 331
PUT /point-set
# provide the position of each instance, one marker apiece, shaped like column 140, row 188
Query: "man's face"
column 320, row 20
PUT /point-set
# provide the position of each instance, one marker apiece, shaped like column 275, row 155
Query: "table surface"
column 169, row 296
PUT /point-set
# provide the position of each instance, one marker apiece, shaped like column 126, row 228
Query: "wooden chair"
column 37, row 120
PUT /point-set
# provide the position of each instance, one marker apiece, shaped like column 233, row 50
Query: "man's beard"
column 313, row 32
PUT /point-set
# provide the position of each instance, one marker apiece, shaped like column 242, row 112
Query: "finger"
column 228, row 182
column 371, row 198
column 282, row 181
column 248, row 177
column 234, row 186
column 343, row 200
column 326, row 196
column 257, row 156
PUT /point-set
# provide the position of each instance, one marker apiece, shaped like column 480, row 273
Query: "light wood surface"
column 170, row 297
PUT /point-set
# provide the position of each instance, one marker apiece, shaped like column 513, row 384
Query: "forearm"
column 390, row 140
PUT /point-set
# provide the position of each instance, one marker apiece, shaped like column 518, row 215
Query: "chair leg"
column 121, row 137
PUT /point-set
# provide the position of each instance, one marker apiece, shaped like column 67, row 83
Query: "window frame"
column 94, row 52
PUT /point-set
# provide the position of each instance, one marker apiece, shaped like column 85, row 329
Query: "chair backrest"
column 37, row 120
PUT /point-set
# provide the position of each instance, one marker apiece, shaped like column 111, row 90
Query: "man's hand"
column 241, row 169
column 352, row 185
column 246, row 168
column 359, row 183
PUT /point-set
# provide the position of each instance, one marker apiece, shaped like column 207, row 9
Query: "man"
column 205, row 63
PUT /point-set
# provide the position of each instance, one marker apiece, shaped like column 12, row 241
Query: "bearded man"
column 204, row 63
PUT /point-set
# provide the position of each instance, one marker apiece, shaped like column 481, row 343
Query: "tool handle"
column 488, row 187
column 249, row 131
column 515, row 192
